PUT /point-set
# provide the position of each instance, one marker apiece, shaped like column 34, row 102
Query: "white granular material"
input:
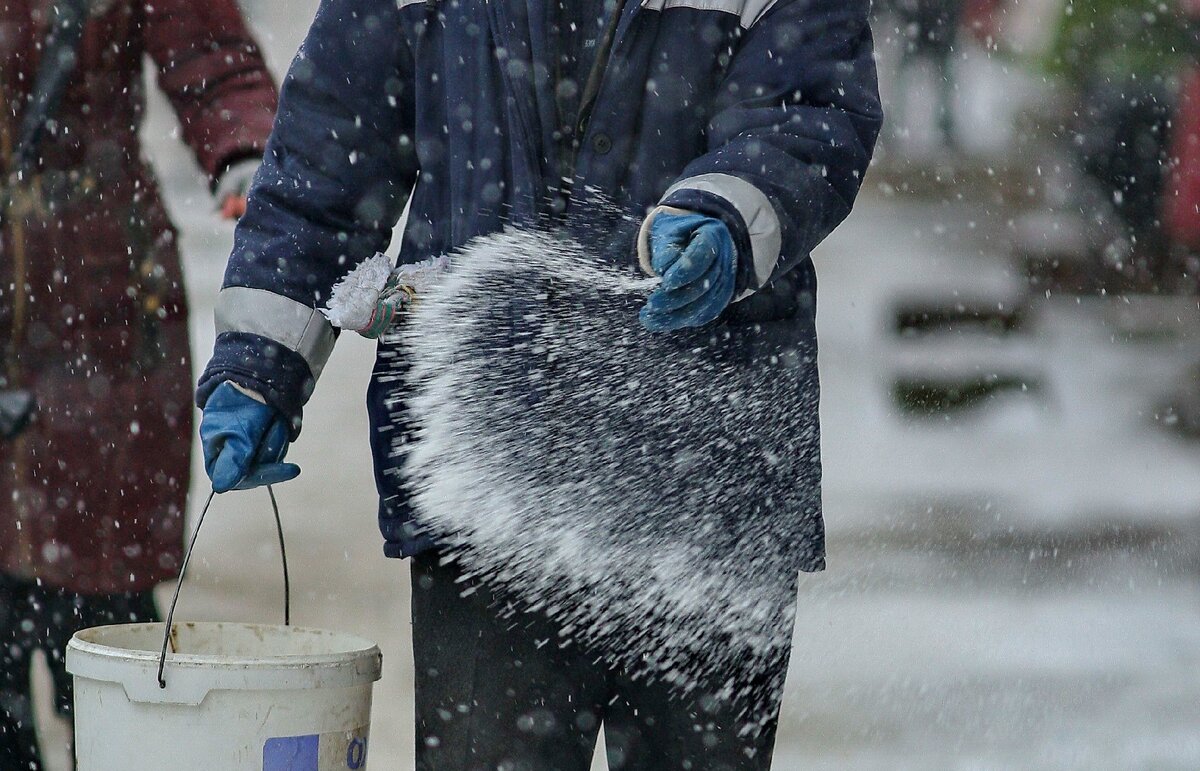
column 352, row 301
column 654, row 494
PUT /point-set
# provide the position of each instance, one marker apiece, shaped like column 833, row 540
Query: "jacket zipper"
column 595, row 82
column 497, row 21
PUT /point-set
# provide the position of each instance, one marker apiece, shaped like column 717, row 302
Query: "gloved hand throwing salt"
column 697, row 260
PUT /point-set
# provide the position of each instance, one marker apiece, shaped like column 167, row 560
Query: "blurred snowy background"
column 1012, row 471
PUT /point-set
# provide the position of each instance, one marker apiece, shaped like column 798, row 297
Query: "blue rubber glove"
column 244, row 442
column 697, row 260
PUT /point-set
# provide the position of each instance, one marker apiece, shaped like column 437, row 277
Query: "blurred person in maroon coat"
column 93, row 319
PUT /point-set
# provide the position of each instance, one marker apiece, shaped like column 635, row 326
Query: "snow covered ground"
column 1013, row 585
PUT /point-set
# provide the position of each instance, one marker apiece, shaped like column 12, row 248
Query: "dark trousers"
column 43, row 618
column 496, row 693
column 1123, row 143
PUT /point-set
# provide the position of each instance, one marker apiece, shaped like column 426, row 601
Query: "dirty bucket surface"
column 238, row 696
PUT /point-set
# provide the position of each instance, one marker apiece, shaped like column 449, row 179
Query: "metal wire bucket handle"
column 187, row 557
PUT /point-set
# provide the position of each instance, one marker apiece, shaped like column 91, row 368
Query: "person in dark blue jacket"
column 737, row 132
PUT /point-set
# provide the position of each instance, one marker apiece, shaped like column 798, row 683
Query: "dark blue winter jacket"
column 763, row 113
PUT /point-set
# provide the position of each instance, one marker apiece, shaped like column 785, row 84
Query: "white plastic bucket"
column 237, row 697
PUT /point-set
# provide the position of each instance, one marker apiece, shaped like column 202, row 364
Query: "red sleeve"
column 981, row 19
column 1181, row 204
column 213, row 72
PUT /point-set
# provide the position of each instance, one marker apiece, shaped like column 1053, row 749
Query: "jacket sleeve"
column 213, row 72
column 337, row 171
column 789, row 138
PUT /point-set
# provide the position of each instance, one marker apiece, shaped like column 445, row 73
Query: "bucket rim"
column 359, row 647
column 190, row 677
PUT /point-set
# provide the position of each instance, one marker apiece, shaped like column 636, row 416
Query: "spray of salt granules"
column 652, row 494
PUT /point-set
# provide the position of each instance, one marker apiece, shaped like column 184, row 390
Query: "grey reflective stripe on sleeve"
column 292, row 324
column 747, row 11
column 762, row 223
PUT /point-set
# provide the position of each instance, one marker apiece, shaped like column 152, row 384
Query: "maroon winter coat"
column 93, row 317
